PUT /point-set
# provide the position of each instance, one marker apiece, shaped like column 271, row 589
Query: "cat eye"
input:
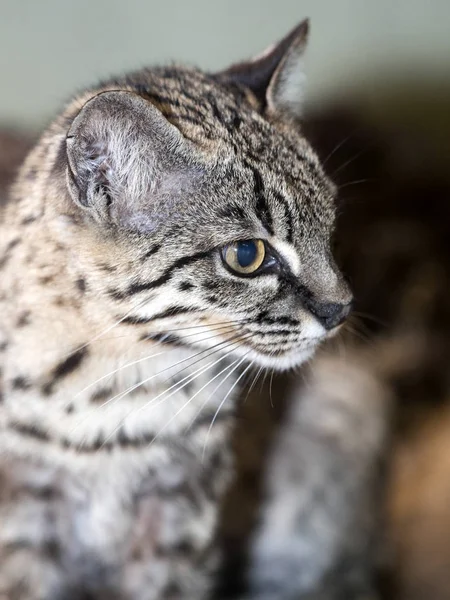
column 244, row 257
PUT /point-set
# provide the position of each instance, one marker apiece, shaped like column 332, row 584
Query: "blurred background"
column 50, row 48
column 378, row 113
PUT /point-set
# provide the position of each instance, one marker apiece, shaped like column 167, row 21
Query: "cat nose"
column 330, row 314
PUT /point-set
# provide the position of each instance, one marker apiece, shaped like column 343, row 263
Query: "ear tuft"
column 276, row 76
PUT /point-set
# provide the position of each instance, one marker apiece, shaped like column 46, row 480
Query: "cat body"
column 132, row 310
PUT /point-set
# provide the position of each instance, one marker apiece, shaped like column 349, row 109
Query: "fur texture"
column 124, row 338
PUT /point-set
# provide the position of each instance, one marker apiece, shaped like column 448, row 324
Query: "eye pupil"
column 245, row 256
column 246, row 253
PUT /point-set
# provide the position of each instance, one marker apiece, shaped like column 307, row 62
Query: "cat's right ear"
column 122, row 153
column 276, row 76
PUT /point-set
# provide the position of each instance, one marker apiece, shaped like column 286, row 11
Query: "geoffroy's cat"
column 169, row 233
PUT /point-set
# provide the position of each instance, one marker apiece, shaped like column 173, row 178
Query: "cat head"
column 207, row 206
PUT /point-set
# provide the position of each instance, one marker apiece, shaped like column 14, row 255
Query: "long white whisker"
column 144, row 381
column 194, row 396
column 213, row 392
column 148, row 357
column 163, row 397
column 255, row 379
column 223, row 402
column 161, row 329
column 220, row 346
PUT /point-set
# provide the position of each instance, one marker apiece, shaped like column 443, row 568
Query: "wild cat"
column 170, row 231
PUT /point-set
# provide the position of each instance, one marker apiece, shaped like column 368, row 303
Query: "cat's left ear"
column 276, row 76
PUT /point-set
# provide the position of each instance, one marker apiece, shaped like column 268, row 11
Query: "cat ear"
column 122, row 152
column 276, row 77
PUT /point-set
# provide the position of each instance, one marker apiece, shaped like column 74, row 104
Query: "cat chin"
column 282, row 362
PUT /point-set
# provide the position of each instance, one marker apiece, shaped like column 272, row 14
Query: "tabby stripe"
column 196, row 100
column 122, row 440
column 162, row 338
column 198, row 123
column 173, row 102
column 262, row 208
column 64, row 368
column 136, row 288
column 30, row 431
column 264, row 318
column 175, row 311
column 170, row 312
column 288, row 214
column 8, row 248
column 151, row 252
column 275, row 332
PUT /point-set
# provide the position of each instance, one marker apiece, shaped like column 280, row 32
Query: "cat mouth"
column 276, row 356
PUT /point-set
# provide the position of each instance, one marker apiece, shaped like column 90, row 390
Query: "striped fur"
column 124, row 338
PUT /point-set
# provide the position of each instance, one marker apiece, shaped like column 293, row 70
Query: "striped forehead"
column 290, row 210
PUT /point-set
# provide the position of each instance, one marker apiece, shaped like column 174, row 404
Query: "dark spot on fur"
column 45, row 492
column 28, row 220
column 159, row 551
column 30, row 431
column 46, row 280
column 69, row 409
column 20, row 383
column 32, row 174
column 64, row 368
column 24, row 319
column 81, row 284
column 210, row 286
column 233, row 212
column 172, row 591
column 101, row 395
column 151, row 252
column 52, row 550
column 162, row 338
column 185, row 286
column 8, row 248
column 3, row 346
column 184, row 548
column 137, row 554
column 107, row 268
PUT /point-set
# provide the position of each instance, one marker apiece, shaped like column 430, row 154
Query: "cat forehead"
column 256, row 170
column 207, row 109
column 225, row 121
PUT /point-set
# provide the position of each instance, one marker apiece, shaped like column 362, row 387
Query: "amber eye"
column 246, row 256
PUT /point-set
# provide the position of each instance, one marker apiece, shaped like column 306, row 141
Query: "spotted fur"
column 124, row 338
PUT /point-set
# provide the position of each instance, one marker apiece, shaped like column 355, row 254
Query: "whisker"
column 220, row 346
column 349, row 161
column 336, row 148
column 364, row 315
column 161, row 329
column 148, row 357
column 191, row 377
column 192, row 398
column 144, row 381
column 270, row 389
column 213, row 392
column 356, row 182
column 223, row 402
column 253, row 383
